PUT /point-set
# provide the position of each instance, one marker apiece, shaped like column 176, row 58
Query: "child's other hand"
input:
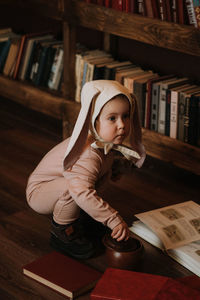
column 121, row 232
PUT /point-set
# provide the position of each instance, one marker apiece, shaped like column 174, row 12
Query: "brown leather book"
column 62, row 274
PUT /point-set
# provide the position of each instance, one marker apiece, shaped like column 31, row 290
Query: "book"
column 62, row 274
column 176, row 230
column 155, row 103
column 194, row 122
column 81, row 68
column 4, row 53
column 162, row 100
column 11, row 58
column 177, row 91
column 148, row 102
column 140, row 92
column 183, row 115
column 191, row 13
column 56, row 69
column 196, row 4
column 118, row 284
column 190, row 117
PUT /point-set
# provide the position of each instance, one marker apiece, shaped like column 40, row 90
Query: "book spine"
column 181, row 113
column 133, row 6
column 108, row 3
column 162, row 8
column 140, row 93
column 162, row 109
column 173, row 114
column 148, row 8
column 117, row 4
column 55, row 66
column 169, row 10
column 193, row 120
column 191, row 13
column 15, row 73
column 186, row 119
column 41, row 65
column 196, row 4
column 154, row 107
column 198, row 126
column 174, row 11
column 155, row 8
column 180, row 12
column 4, row 54
column 141, row 8
column 167, row 113
column 48, row 64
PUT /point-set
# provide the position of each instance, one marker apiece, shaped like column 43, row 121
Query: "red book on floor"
column 62, row 274
column 128, row 285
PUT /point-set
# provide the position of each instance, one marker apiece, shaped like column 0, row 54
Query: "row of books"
column 177, row 11
column 167, row 104
column 33, row 57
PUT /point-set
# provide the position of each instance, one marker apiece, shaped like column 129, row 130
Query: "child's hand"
column 121, row 232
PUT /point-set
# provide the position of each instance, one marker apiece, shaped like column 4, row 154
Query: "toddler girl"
column 67, row 178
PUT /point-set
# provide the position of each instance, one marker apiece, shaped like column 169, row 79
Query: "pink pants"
column 53, row 197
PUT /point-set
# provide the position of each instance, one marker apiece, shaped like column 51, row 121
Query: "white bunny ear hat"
column 102, row 91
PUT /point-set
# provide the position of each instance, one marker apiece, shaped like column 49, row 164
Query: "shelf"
column 155, row 32
column 40, row 100
column 171, row 150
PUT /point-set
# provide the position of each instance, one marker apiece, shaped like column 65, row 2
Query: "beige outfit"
column 51, row 189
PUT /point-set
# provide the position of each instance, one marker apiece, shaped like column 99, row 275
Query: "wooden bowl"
column 124, row 254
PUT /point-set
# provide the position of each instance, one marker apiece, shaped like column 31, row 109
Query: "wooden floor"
column 24, row 235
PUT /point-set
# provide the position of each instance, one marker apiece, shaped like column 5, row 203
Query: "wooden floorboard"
column 24, row 235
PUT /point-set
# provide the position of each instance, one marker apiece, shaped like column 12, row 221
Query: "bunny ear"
column 136, row 134
column 80, row 132
column 78, row 138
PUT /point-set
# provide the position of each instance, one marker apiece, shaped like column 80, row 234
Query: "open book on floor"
column 62, row 274
column 176, row 230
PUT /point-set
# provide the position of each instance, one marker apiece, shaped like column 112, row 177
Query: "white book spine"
column 55, row 67
column 174, row 114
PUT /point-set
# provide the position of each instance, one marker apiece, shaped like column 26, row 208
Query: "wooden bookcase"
column 72, row 14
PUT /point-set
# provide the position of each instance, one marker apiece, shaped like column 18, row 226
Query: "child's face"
column 113, row 122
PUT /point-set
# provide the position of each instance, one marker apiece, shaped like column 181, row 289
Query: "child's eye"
column 112, row 118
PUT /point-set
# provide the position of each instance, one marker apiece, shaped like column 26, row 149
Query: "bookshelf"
column 72, row 14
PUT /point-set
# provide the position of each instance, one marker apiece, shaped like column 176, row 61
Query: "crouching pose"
column 65, row 181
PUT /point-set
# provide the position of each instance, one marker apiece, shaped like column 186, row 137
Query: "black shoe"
column 69, row 239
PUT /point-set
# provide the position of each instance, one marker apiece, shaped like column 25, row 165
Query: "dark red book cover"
column 180, row 11
column 62, row 274
column 108, row 3
column 169, row 16
column 100, row 2
column 156, row 9
column 117, row 4
column 133, row 6
column 128, row 285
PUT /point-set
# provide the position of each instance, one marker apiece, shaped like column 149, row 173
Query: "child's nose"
column 121, row 123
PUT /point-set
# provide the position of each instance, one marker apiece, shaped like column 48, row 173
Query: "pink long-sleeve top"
column 91, row 168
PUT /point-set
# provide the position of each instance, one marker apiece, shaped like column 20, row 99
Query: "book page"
column 188, row 256
column 176, row 225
